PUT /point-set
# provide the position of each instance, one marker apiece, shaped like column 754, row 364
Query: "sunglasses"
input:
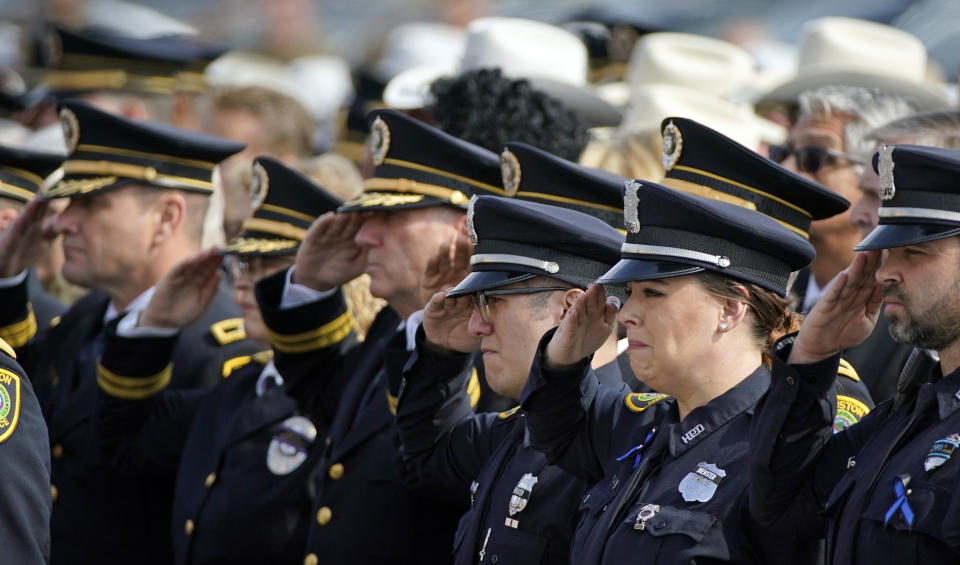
column 811, row 159
column 481, row 305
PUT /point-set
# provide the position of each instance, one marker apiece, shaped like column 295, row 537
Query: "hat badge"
column 470, row 228
column 630, row 204
column 380, row 140
column 259, row 184
column 510, row 172
column 885, row 169
column 71, row 129
column 672, row 145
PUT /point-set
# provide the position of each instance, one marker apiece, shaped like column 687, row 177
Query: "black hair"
column 488, row 109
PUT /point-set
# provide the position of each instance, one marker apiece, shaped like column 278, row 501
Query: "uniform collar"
column 704, row 420
column 948, row 392
column 137, row 304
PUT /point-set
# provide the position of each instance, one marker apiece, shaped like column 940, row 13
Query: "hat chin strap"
column 920, row 213
column 548, row 266
column 721, row 261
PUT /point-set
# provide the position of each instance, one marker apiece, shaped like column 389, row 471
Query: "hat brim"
column 628, row 270
column 589, row 105
column 487, row 280
column 887, row 236
column 373, row 201
column 926, row 98
column 245, row 244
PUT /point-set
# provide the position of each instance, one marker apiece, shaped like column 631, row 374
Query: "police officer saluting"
column 886, row 489
column 138, row 195
column 531, row 262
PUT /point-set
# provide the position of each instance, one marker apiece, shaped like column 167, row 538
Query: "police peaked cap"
column 23, row 172
column 516, row 241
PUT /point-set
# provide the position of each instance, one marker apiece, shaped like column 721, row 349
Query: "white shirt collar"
column 137, row 304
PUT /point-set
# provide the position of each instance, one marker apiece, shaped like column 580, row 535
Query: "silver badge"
column 630, row 204
column 290, row 446
column 700, row 484
column 521, row 493
column 941, row 452
column 885, row 168
column 672, row 145
column 259, row 184
column 379, row 140
column 71, row 129
column 510, row 172
column 470, row 228
column 647, row 511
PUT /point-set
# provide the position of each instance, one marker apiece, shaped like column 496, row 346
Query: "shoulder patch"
column 640, row 401
column 508, row 413
column 5, row 347
column 849, row 412
column 228, row 331
column 9, row 403
column 847, row 370
column 231, row 365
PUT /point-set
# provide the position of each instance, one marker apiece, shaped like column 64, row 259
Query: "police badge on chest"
column 520, row 497
column 290, row 445
column 701, row 484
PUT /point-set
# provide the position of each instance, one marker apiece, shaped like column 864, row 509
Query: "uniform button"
column 328, row 441
column 211, row 478
column 324, row 515
column 188, row 527
column 311, row 559
column 790, row 381
column 336, row 471
column 54, row 493
column 57, row 451
column 494, row 558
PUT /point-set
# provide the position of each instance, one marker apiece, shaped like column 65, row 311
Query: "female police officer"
column 707, row 282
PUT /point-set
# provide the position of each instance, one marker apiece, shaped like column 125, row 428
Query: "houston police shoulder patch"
column 849, row 412
column 9, row 403
column 640, row 401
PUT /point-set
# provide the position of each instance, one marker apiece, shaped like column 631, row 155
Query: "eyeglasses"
column 482, row 306
column 257, row 266
column 811, row 159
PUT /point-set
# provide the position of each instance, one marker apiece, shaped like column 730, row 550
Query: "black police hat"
column 535, row 175
column 701, row 161
column 287, row 202
column 108, row 151
column 670, row 234
column 97, row 59
column 23, row 173
column 516, row 241
column 418, row 166
column 920, row 199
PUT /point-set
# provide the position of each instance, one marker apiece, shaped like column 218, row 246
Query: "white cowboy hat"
column 552, row 59
column 852, row 52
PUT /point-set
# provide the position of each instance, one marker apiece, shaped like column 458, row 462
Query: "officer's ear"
column 7, row 215
column 170, row 209
column 732, row 310
column 570, row 298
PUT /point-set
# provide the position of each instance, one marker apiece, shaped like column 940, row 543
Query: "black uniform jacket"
column 666, row 491
column 364, row 511
column 242, row 457
column 24, row 469
column 886, row 489
column 522, row 509
column 101, row 514
column 46, row 308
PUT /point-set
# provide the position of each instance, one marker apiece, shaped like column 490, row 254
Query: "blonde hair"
column 333, row 172
column 635, row 155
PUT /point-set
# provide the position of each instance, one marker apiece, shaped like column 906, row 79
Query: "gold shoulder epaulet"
column 847, row 370
column 228, row 331
column 5, row 347
column 640, row 401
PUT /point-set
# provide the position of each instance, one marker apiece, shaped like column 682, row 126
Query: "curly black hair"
column 488, row 109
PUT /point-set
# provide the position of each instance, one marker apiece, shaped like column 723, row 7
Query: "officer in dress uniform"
column 22, row 173
column 704, row 162
column 244, row 450
column 138, row 194
column 414, row 204
column 706, row 281
column 886, row 489
column 522, row 509
column 25, row 466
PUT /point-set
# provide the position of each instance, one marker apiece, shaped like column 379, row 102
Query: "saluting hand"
column 845, row 315
column 328, row 256
column 183, row 294
column 584, row 328
column 446, row 320
column 26, row 239
column 449, row 266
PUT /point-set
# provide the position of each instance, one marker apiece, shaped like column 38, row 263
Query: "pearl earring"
column 723, row 326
